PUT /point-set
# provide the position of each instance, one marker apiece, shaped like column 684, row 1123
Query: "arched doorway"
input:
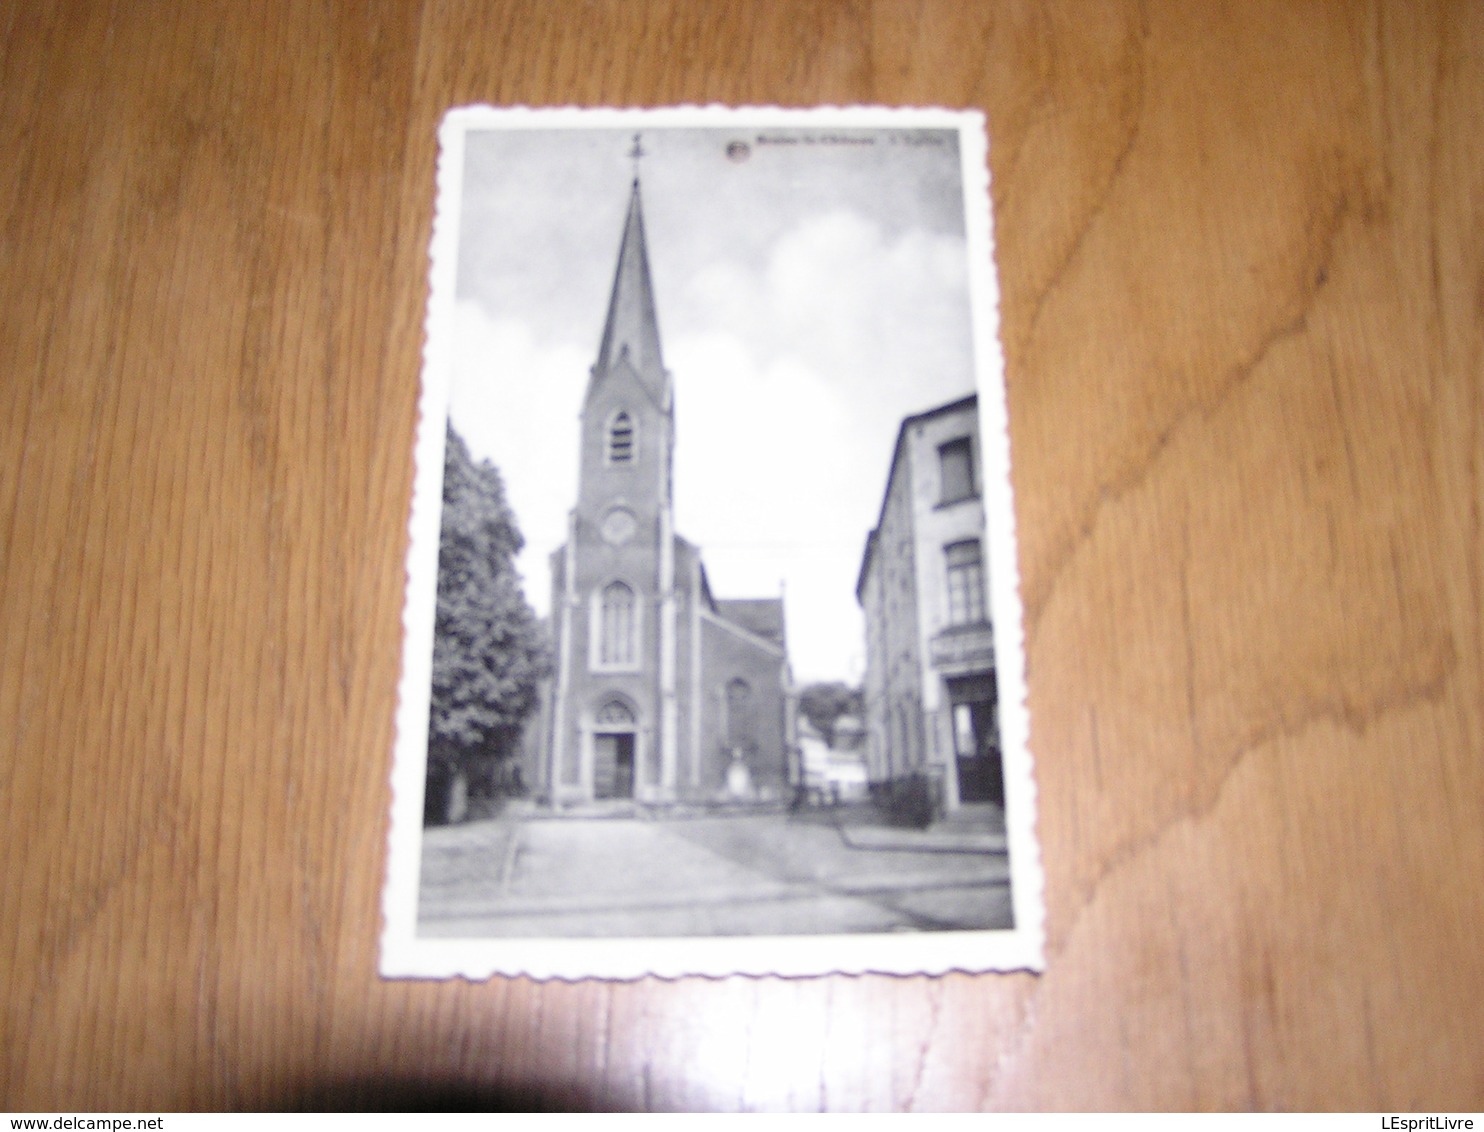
column 614, row 730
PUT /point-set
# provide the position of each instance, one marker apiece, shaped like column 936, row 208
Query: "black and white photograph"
column 712, row 659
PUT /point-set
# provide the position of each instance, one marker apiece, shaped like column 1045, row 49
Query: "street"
column 818, row 872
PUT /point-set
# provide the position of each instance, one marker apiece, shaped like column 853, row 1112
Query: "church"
column 662, row 693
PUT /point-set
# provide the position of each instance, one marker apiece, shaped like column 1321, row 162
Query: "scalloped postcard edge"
column 405, row 954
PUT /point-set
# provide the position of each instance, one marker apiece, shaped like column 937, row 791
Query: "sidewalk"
column 817, row 872
column 974, row 829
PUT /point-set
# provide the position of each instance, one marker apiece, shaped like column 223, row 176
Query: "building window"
column 618, row 625
column 956, row 470
column 621, row 439
column 965, row 583
column 615, row 715
column 739, row 714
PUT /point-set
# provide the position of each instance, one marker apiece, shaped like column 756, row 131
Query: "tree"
column 824, row 703
column 489, row 651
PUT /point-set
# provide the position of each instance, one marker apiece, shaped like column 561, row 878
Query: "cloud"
column 885, row 315
column 768, row 482
column 515, row 403
column 788, row 404
column 792, row 374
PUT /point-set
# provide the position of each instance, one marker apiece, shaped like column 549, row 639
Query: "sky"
column 811, row 292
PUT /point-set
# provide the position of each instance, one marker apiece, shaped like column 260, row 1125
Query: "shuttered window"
column 621, row 439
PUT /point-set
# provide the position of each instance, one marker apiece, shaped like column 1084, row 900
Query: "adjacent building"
column 662, row 692
column 932, row 727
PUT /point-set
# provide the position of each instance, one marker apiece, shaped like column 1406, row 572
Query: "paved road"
column 758, row 874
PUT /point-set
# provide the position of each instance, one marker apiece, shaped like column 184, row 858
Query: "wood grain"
column 1242, row 259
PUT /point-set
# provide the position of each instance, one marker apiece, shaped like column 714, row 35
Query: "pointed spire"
column 632, row 329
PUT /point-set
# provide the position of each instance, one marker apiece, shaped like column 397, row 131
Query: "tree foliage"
column 489, row 652
column 824, row 703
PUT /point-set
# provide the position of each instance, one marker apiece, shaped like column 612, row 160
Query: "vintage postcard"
column 713, row 657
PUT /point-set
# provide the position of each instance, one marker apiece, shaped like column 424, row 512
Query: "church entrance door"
column 613, row 765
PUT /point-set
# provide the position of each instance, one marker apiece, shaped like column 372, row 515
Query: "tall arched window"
column 621, row 439
column 739, row 714
column 619, row 622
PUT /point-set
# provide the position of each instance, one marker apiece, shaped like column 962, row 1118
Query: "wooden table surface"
column 1241, row 248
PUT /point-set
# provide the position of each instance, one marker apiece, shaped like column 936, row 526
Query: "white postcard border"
column 403, row 953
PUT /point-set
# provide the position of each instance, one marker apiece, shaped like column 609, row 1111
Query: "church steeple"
column 632, row 331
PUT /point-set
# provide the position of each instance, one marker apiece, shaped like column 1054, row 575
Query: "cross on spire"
column 635, row 154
